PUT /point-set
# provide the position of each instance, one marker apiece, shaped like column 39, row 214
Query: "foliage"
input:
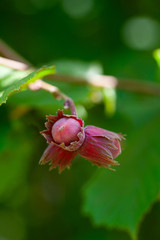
column 43, row 100
column 122, row 199
column 85, row 202
column 11, row 81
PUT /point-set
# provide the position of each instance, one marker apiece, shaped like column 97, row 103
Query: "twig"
column 101, row 81
column 13, row 64
column 39, row 84
column 96, row 80
column 16, row 64
column 106, row 81
column 8, row 52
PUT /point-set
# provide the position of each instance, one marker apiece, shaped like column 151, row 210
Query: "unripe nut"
column 65, row 130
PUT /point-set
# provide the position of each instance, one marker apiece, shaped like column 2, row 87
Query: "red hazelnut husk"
column 67, row 137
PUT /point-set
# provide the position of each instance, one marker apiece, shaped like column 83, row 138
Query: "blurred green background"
column 82, row 37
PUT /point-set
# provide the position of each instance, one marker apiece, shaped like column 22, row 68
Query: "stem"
column 101, row 81
column 13, row 64
column 8, row 52
column 39, row 84
column 19, row 63
column 105, row 81
column 70, row 104
column 16, row 64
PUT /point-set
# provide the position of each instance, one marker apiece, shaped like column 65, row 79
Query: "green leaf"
column 120, row 199
column 14, row 81
column 156, row 55
column 79, row 93
column 109, row 97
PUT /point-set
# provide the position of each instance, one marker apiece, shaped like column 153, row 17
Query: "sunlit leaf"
column 109, row 97
column 13, row 81
column 156, row 55
column 79, row 93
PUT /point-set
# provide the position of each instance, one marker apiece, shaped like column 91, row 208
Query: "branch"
column 39, row 84
column 101, row 81
column 13, row 64
column 106, row 81
column 95, row 81
column 8, row 52
column 16, row 64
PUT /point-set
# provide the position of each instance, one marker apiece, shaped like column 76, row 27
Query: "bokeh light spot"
column 78, row 8
column 141, row 33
